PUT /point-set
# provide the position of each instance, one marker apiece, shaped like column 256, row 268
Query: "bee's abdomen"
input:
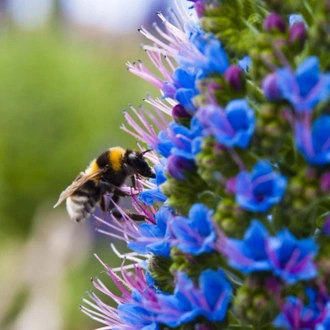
column 80, row 206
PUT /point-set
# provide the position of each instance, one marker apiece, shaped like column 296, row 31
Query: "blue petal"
column 255, row 241
column 184, row 96
column 213, row 285
column 151, row 196
column 307, row 75
column 184, row 78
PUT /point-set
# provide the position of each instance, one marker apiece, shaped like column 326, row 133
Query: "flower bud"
column 326, row 227
column 200, row 8
column 176, row 166
column 325, row 182
column 231, row 185
column 270, row 88
column 234, row 76
column 273, row 23
column 179, row 113
column 298, row 33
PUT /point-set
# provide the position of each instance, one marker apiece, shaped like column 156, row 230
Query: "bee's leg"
column 132, row 215
column 110, row 188
column 133, row 181
column 114, row 200
column 106, row 186
column 102, row 204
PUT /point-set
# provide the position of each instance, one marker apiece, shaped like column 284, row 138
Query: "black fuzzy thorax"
column 112, row 176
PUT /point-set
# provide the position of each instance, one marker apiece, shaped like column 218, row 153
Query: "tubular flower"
column 154, row 238
column 305, row 88
column 231, row 127
column 261, row 189
column 290, row 258
column 296, row 315
column 150, row 196
column 249, row 255
column 194, row 235
column 210, row 300
column 314, row 142
column 283, row 254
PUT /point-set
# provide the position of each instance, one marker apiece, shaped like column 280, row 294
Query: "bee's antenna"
column 144, row 152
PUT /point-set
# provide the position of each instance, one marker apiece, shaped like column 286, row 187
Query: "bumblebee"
column 105, row 174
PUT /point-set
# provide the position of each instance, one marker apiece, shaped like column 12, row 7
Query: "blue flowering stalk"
column 237, row 222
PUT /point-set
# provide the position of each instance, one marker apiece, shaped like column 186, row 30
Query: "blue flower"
column 325, row 323
column 307, row 87
column 150, row 196
column 249, row 255
column 295, row 315
column 232, row 127
column 295, row 18
column 210, row 300
column 185, row 88
column 208, row 55
column 290, row 258
column 165, row 144
column 183, row 139
column 244, row 63
column 137, row 317
column 260, row 190
column 194, row 235
column 314, row 143
column 154, row 238
column 283, row 254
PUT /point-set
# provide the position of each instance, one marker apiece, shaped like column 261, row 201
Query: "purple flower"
column 232, row 127
column 154, row 238
column 150, row 196
column 195, row 234
column 314, row 143
column 259, row 190
column 305, row 88
column 209, row 300
column 249, row 255
column 290, row 258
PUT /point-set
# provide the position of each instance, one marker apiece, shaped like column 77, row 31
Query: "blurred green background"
column 62, row 92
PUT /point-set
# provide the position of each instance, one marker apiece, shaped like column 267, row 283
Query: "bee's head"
column 138, row 165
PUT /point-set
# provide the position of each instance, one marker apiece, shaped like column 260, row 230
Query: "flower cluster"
column 236, row 230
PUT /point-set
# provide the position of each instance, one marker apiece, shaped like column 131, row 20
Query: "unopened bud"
column 274, row 22
column 298, row 33
column 179, row 113
column 177, row 166
column 270, row 88
column 234, row 76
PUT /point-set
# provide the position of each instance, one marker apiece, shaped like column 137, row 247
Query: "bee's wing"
column 77, row 183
